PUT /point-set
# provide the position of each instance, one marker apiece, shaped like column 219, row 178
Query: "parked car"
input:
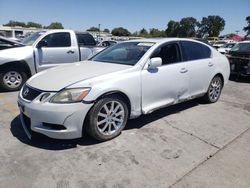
column 107, row 43
column 43, row 50
column 239, row 58
column 226, row 47
column 219, row 44
column 122, row 82
column 6, row 43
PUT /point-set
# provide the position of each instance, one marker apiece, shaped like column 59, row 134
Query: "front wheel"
column 12, row 80
column 107, row 118
column 214, row 90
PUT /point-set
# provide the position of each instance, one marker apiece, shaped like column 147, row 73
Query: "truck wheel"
column 107, row 118
column 12, row 79
column 214, row 90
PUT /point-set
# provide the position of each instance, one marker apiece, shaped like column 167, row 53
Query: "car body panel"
column 56, row 79
column 165, row 92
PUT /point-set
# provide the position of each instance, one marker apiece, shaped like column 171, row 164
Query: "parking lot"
column 187, row 145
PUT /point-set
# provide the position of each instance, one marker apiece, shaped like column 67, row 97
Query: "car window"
column 128, row 53
column 241, row 47
column 58, row 40
column 85, row 40
column 168, row 53
column 194, row 50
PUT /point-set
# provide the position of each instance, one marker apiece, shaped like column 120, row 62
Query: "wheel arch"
column 118, row 93
column 222, row 78
column 19, row 65
column 109, row 93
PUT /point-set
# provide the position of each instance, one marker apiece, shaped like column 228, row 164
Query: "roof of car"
column 163, row 40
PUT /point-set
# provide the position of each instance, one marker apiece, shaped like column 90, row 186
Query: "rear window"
column 85, row 40
column 193, row 51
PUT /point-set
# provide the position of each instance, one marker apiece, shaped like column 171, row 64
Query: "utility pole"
column 99, row 26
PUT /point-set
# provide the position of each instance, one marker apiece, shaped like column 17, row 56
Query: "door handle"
column 70, row 52
column 183, row 70
column 210, row 64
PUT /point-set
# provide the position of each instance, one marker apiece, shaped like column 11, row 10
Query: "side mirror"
column 42, row 43
column 155, row 62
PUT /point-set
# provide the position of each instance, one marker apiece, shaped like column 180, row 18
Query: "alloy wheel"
column 110, row 118
column 215, row 89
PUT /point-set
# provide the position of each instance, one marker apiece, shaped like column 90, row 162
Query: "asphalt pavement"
column 189, row 145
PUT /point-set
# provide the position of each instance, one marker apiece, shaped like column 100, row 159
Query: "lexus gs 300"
column 122, row 82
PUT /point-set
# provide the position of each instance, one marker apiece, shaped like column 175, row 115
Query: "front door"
column 58, row 50
column 167, row 84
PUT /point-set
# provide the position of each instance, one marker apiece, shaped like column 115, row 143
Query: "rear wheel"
column 12, row 79
column 107, row 118
column 214, row 90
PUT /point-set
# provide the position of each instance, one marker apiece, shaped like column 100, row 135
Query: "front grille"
column 29, row 93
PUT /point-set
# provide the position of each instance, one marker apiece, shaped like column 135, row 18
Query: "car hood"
column 15, row 54
column 57, row 78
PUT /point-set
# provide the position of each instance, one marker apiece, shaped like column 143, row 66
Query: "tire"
column 214, row 90
column 12, row 79
column 103, row 123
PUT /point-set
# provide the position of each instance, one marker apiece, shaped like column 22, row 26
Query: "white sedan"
column 122, row 82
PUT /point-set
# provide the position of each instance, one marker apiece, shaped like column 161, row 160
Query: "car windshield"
column 127, row 53
column 241, row 47
column 32, row 38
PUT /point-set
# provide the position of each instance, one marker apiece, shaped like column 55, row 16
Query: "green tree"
column 156, row 33
column 247, row 28
column 211, row 25
column 173, row 29
column 34, row 24
column 13, row 23
column 120, row 31
column 55, row 25
column 94, row 29
column 106, row 30
column 187, row 27
column 143, row 33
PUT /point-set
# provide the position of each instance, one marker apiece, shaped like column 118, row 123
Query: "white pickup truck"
column 43, row 50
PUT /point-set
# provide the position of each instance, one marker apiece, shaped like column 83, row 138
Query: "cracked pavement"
column 190, row 145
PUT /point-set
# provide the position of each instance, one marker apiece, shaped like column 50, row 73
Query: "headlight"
column 70, row 95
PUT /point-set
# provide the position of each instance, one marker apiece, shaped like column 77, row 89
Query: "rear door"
column 59, row 50
column 87, row 44
column 199, row 64
column 168, row 83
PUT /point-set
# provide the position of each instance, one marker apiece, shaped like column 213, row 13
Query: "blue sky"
column 131, row 14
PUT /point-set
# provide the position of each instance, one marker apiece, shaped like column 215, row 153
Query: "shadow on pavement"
column 145, row 119
column 43, row 142
column 46, row 143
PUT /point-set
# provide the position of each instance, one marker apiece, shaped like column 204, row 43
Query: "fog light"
column 44, row 96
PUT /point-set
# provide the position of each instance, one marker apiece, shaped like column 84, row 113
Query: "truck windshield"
column 32, row 38
column 127, row 53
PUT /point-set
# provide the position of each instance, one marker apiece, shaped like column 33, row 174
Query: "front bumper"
column 65, row 120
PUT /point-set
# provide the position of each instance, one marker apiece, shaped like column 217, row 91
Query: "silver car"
column 120, row 83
